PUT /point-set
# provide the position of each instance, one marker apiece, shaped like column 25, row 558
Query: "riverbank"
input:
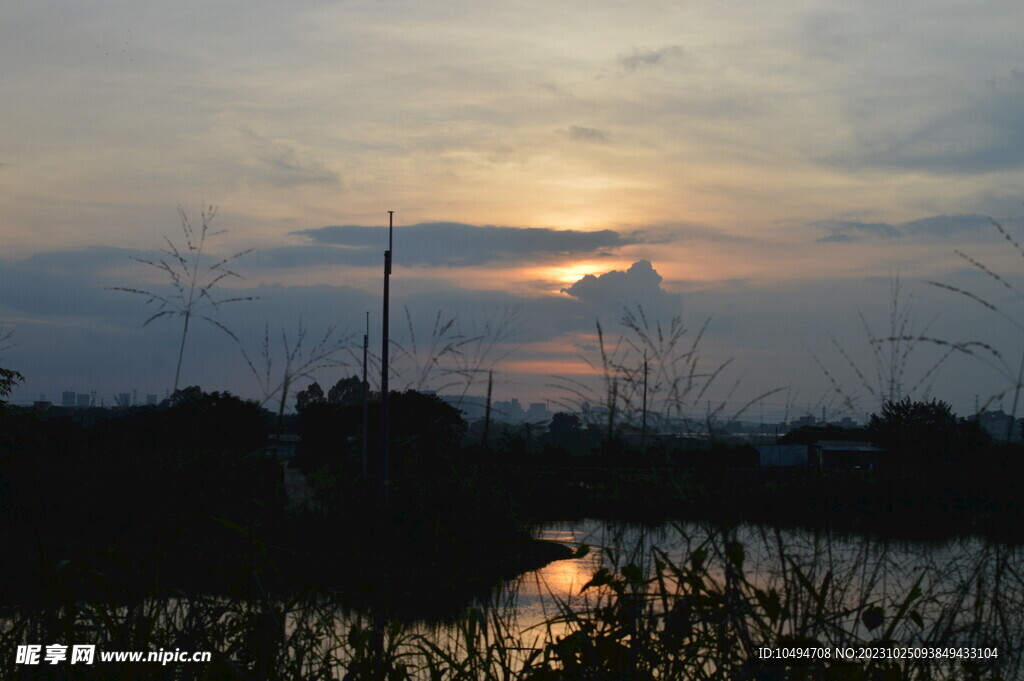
column 850, row 501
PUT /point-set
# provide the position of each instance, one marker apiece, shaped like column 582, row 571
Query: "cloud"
column 448, row 244
column 945, row 225
column 640, row 284
column 690, row 232
column 91, row 258
column 837, row 239
column 62, row 283
column 845, row 231
column 852, row 230
column 578, row 133
column 284, row 165
column 975, row 131
column 640, row 58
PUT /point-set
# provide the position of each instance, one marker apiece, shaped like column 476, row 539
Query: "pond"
column 814, row 586
column 680, row 600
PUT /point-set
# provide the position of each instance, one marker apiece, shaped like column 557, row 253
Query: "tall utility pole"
column 384, row 358
column 643, row 428
column 613, row 397
column 366, row 396
column 487, row 411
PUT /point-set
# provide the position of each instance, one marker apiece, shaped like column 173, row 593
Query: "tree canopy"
column 904, row 416
column 8, row 379
column 923, row 437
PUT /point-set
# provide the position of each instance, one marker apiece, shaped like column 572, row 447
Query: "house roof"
column 845, row 446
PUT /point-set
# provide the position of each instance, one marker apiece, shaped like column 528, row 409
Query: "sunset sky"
column 772, row 165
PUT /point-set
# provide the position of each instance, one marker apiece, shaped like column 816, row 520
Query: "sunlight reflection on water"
column 542, row 593
column 867, row 568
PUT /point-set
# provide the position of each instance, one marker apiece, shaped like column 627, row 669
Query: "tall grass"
column 193, row 282
column 889, row 376
column 655, row 371
column 983, row 351
column 300, row 359
column 457, row 353
column 695, row 603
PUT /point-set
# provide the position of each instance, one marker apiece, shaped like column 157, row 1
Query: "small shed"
column 781, row 456
column 846, row 455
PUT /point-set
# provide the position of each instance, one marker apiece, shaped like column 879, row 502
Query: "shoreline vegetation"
column 168, row 527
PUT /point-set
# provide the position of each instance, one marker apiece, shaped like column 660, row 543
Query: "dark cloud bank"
column 447, row 244
column 846, row 231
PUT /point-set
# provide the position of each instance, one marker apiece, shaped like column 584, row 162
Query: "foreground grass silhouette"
column 703, row 612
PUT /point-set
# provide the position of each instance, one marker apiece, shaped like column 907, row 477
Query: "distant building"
column 151, row 398
column 822, row 454
column 775, row 456
column 83, row 400
column 845, row 454
column 67, row 398
column 732, row 427
column 124, row 400
column 510, row 411
column 538, row 411
column 803, row 421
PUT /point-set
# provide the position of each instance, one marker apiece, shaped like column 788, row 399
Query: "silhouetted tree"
column 565, row 426
column 925, row 438
column 346, row 391
column 901, row 421
column 565, row 434
column 425, row 430
column 311, row 395
column 217, row 420
column 8, row 379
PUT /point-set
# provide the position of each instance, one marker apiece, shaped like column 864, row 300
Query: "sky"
column 770, row 167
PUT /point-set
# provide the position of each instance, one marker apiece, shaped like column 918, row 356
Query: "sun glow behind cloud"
column 566, row 274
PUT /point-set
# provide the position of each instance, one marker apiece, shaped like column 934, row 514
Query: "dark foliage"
column 8, row 379
column 142, row 483
column 566, row 435
column 311, row 395
column 425, row 432
column 346, row 391
column 926, row 439
column 899, row 420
